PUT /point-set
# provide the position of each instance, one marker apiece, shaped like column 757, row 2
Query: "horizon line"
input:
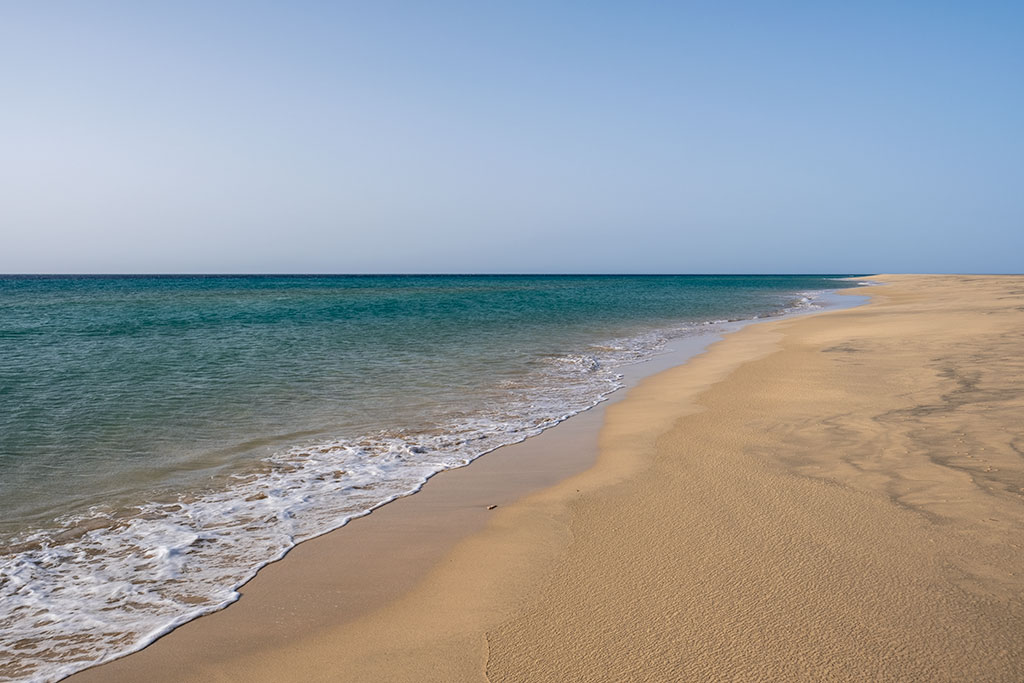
column 432, row 274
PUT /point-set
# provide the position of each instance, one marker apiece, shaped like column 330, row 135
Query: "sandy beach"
column 831, row 497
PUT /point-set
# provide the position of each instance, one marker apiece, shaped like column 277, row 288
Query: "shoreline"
column 188, row 559
column 782, row 505
column 561, row 451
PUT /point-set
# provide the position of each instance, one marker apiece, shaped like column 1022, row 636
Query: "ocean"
column 163, row 437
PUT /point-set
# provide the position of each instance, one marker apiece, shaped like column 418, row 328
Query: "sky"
column 549, row 137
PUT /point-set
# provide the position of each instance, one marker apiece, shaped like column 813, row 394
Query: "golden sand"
column 834, row 497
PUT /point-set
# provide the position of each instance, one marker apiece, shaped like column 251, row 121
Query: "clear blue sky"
column 511, row 137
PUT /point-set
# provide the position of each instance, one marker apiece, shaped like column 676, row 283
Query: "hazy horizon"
column 316, row 138
column 413, row 274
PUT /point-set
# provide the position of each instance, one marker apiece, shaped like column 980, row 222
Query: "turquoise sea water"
column 162, row 437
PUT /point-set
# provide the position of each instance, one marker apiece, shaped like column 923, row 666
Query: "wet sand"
column 835, row 497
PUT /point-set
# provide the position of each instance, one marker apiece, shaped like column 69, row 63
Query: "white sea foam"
column 110, row 582
column 808, row 301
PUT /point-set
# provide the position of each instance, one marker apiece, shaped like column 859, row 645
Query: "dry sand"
column 837, row 497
